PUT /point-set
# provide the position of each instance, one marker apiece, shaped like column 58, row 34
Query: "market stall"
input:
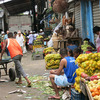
column 88, row 75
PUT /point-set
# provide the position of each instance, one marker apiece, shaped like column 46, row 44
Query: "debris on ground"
column 17, row 91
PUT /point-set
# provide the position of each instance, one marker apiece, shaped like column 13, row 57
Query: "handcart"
column 3, row 66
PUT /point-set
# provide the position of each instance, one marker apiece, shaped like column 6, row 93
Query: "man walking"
column 16, row 54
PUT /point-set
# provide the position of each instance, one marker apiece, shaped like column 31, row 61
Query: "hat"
column 31, row 32
column 41, row 30
column 2, row 32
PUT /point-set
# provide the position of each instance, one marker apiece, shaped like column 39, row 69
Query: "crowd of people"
column 25, row 39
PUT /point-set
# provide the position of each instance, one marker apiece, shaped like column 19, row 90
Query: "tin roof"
column 17, row 6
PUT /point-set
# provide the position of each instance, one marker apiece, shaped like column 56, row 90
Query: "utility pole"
column 34, row 16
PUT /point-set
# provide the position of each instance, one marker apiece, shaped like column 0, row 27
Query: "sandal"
column 53, row 97
column 29, row 84
column 18, row 82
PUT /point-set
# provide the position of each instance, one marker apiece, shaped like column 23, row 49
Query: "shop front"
column 96, row 15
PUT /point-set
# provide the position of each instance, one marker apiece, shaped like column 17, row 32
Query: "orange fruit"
column 92, row 90
column 93, row 94
column 98, row 87
column 95, row 90
column 97, row 93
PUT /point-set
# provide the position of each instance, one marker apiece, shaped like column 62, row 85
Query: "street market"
column 50, row 49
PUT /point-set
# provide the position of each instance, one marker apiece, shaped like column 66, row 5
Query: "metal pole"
column 34, row 16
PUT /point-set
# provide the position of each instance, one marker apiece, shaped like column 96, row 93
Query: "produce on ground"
column 52, row 61
column 48, row 50
column 41, row 83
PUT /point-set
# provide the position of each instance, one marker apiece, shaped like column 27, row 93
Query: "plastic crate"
column 76, row 96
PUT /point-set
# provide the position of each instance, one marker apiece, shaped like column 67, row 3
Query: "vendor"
column 71, row 46
column 41, row 32
column 90, row 43
column 96, row 30
column 68, row 65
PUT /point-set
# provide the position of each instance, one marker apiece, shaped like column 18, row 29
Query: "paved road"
column 31, row 67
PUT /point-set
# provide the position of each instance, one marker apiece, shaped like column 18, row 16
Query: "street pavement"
column 31, row 67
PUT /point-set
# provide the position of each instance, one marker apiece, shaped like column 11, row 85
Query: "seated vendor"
column 67, row 64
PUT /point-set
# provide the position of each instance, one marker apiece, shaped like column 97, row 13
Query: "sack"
column 24, row 49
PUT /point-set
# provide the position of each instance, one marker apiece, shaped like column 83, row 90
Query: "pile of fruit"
column 94, row 87
column 89, row 62
column 79, row 72
column 88, row 65
column 86, row 47
column 39, row 37
column 52, row 61
column 46, row 39
column 48, row 50
column 36, row 42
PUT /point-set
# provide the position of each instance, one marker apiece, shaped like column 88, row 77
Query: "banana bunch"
column 39, row 37
column 49, row 49
column 77, row 87
column 79, row 71
column 52, row 61
column 98, row 64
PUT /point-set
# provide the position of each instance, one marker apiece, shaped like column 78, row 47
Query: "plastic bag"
column 50, row 43
column 24, row 49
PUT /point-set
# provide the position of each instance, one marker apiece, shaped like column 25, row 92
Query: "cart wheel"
column 12, row 74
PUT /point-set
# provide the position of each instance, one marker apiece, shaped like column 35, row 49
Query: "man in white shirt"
column 41, row 32
column 20, row 39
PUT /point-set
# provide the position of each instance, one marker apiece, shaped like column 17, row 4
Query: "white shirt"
column 20, row 40
column 35, row 35
column 97, row 42
column 41, row 33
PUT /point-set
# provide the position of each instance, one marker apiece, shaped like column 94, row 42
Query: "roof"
column 17, row 6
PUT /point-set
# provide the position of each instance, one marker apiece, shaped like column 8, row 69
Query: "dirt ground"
column 31, row 67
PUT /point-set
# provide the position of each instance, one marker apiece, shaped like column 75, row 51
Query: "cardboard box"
column 55, row 44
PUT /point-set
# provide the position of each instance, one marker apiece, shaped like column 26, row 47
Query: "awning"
column 17, row 6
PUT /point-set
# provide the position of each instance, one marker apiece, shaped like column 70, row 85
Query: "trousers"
column 18, row 66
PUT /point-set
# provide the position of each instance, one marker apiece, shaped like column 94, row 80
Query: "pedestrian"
column 6, row 37
column 20, row 39
column 15, row 34
column 31, row 37
column 96, row 30
column 2, row 38
column 90, row 43
column 35, row 35
column 16, row 54
column 41, row 32
column 67, row 65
